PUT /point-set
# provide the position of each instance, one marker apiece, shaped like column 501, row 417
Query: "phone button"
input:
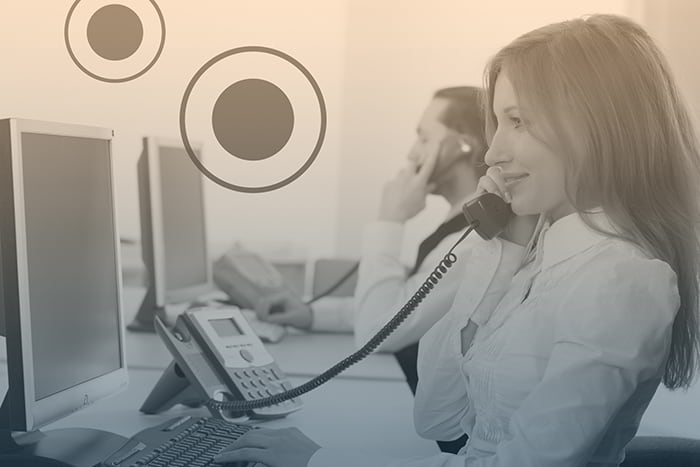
column 247, row 356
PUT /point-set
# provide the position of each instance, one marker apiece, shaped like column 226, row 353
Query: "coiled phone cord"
column 446, row 263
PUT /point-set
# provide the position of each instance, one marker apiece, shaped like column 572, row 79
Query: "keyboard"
column 180, row 442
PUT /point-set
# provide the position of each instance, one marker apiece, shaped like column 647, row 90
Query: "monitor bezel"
column 163, row 295
column 28, row 413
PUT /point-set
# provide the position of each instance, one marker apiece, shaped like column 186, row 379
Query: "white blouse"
column 569, row 351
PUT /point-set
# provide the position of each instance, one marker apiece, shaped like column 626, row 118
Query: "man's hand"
column 404, row 196
column 285, row 308
column 288, row 447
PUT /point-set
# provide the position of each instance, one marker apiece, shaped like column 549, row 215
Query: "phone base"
column 171, row 389
column 174, row 388
column 196, row 374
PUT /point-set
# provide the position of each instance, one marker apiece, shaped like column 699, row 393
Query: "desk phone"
column 218, row 356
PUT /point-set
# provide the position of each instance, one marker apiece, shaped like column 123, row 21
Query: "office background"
column 377, row 63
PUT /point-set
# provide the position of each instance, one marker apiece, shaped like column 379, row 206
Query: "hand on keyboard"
column 287, row 447
column 181, row 442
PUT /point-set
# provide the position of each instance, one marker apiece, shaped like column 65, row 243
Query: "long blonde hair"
column 604, row 97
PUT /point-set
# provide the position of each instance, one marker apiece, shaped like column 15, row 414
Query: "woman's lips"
column 514, row 178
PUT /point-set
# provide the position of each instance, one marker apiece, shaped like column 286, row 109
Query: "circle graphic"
column 115, row 32
column 263, row 110
column 253, row 119
column 114, row 42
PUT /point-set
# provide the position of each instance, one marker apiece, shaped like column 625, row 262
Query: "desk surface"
column 345, row 413
column 368, row 408
column 372, row 404
column 297, row 354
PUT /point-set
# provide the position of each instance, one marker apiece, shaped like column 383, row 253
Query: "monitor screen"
column 71, row 260
column 184, row 237
column 327, row 273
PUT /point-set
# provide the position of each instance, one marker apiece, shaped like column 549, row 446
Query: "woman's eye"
column 516, row 121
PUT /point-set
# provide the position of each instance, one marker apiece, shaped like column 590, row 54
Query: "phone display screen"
column 225, row 327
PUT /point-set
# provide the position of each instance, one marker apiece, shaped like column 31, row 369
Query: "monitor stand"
column 70, row 447
column 143, row 322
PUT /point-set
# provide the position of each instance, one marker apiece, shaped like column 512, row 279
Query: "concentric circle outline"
column 114, row 80
column 183, row 113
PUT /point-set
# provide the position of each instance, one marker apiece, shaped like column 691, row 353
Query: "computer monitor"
column 61, row 284
column 173, row 229
column 328, row 271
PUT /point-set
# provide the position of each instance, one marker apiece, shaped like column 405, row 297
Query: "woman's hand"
column 287, row 447
column 520, row 228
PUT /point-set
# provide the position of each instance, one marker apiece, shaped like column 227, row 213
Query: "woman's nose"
column 497, row 152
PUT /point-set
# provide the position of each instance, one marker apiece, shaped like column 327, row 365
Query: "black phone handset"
column 487, row 214
column 490, row 214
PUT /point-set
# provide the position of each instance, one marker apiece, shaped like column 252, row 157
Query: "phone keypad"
column 262, row 382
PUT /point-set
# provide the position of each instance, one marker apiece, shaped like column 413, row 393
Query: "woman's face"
column 534, row 175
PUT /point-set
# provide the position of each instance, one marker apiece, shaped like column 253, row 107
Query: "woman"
column 563, row 345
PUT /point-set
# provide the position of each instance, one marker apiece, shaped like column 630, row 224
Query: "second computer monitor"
column 173, row 227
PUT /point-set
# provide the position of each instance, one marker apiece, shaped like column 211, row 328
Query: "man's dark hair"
column 465, row 115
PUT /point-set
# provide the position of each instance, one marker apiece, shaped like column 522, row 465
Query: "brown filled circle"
column 253, row 119
column 115, row 32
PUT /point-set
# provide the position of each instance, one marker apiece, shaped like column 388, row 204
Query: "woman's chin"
column 521, row 209
column 517, row 208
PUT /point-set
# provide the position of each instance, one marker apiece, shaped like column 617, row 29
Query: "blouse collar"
column 570, row 235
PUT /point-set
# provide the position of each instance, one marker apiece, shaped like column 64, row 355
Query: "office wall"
column 376, row 62
column 39, row 81
column 398, row 54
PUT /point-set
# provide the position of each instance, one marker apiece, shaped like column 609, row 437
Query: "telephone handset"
column 488, row 214
column 246, row 277
column 218, row 356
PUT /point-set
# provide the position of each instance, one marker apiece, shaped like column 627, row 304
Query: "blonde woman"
column 552, row 362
